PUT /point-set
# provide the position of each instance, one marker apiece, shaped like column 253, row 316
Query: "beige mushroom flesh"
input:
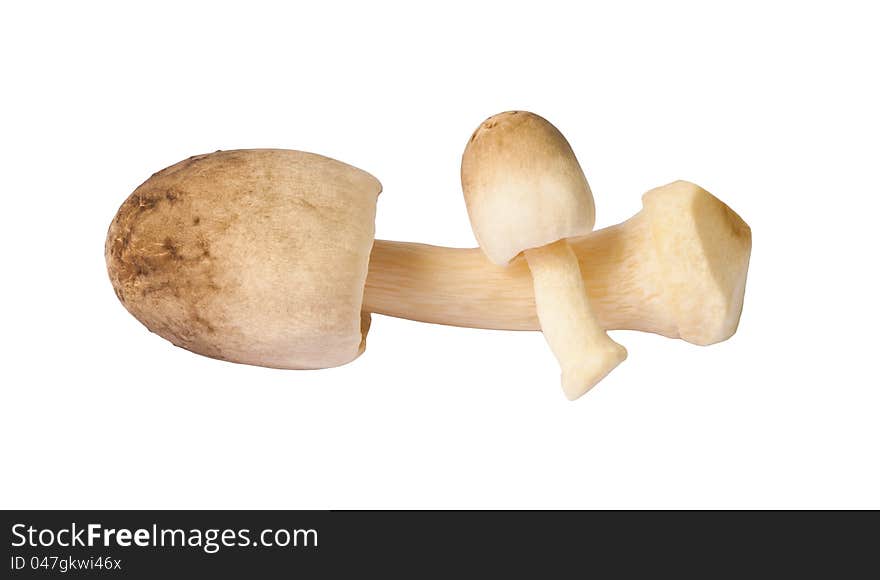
column 526, row 193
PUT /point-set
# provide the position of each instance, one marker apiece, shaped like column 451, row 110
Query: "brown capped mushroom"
column 255, row 256
column 261, row 257
column 525, row 192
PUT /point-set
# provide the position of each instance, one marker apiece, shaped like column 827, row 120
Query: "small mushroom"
column 256, row 256
column 525, row 192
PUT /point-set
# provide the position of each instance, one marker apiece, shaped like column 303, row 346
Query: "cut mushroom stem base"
column 585, row 352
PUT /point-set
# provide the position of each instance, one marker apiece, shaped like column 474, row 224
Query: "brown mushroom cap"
column 523, row 186
column 251, row 256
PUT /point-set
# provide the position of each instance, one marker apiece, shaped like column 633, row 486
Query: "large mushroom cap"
column 251, row 256
column 523, row 186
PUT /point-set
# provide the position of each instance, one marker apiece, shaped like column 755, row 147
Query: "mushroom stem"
column 461, row 287
column 586, row 354
column 677, row 268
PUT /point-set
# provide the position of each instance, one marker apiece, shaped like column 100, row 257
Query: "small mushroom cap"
column 251, row 256
column 702, row 249
column 523, row 186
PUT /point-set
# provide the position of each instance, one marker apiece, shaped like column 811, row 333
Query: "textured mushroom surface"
column 251, row 256
column 702, row 248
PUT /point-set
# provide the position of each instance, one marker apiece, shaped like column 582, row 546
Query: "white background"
column 771, row 106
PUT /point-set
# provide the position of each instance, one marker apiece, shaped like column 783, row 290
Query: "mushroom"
column 256, row 256
column 267, row 257
column 526, row 193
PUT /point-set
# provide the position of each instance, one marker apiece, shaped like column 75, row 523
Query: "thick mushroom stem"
column 638, row 276
column 585, row 352
column 461, row 287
